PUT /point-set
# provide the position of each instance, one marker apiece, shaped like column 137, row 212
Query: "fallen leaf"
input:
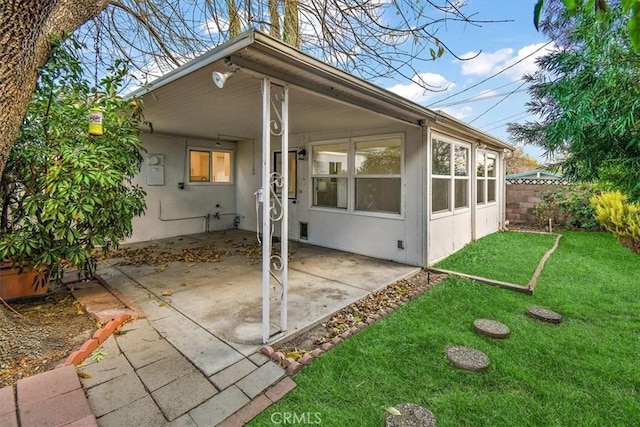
column 163, row 304
column 392, row 410
column 98, row 354
column 84, row 375
column 80, row 312
column 167, row 293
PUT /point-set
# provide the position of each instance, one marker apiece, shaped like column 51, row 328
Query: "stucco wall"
column 172, row 211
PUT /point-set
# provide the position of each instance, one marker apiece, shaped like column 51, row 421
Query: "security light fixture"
column 221, row 78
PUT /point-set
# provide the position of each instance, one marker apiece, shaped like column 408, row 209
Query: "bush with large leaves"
column 63, row 192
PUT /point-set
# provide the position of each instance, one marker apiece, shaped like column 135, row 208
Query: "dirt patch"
column 49, row 329
column 372, row 306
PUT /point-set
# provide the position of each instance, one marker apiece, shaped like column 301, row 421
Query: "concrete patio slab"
column 256, row 382
column 106, row 370
column 148, row 352
column 164, row 371
column 183, row 421
column 233, row 374
column 185, row 393
column 219, row 407
column 202, row 348
column 139, row 413
column 115, row 394
column 225, row 297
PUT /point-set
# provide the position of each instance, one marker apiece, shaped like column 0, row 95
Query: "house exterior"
column 365, row 170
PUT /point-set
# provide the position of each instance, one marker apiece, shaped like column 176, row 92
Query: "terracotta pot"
column 15, row 284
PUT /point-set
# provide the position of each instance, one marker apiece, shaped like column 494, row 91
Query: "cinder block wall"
column 521, row 198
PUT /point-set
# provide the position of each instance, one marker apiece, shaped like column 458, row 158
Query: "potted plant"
column 65, row 193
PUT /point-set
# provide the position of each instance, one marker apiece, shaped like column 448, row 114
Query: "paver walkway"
column 144, row 381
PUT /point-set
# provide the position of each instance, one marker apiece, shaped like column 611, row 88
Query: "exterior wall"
column 487, row 220
column 357, row 232
column 172, row 211
column 424, row 239
column 449, row 231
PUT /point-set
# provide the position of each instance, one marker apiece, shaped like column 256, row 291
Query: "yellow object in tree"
column 95, row 121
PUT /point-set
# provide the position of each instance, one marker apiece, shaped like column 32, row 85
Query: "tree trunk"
column 26, row 30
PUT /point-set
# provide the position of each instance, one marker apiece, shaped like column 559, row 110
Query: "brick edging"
column 259, row 403
column 99, row 336
column 292, row 367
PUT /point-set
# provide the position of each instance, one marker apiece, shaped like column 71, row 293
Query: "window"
column 329, row 175
column 480, row 174
column 461, row 176
column 486, row 175
column 449, row 176
column 441, row 176
column 359, row 174
column 378, row 175
column 206, row 166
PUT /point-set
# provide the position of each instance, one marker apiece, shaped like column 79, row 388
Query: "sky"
column 507, row 45
column 500, row 45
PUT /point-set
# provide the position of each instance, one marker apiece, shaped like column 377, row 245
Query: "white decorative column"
column 275, row 99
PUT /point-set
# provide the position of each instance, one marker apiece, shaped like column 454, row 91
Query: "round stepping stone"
column 467, row 358
column 491, row 328
column 411, row 415
column 544, row 314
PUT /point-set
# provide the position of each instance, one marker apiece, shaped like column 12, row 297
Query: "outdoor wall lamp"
column 302, row 154
column 221, row 78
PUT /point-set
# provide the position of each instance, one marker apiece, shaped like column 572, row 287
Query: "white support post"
column 284, row 225
column 266, row 205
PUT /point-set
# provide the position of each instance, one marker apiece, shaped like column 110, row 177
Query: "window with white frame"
column 450, row 164
column 486, row 177
column 378, row 175
column 209, row 166
column 359, row 174
column 329, row 175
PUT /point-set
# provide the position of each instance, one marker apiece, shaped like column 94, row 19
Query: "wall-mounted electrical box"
column 155, row 169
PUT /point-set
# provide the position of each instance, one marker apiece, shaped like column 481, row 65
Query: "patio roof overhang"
column 187, row 102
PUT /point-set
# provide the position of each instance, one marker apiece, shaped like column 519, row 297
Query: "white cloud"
column 487, row 63
column 216, row 25
column 489, row 93
column 416, row 90
column 459, row 113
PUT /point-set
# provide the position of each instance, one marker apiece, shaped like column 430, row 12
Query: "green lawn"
column 585, row 371
column 511, row 257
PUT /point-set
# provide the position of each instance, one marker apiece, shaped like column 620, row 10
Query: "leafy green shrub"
column 619, row 216
column 64, row 193
column 568, row 207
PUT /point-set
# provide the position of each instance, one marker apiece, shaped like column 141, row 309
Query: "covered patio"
column 219, row 305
